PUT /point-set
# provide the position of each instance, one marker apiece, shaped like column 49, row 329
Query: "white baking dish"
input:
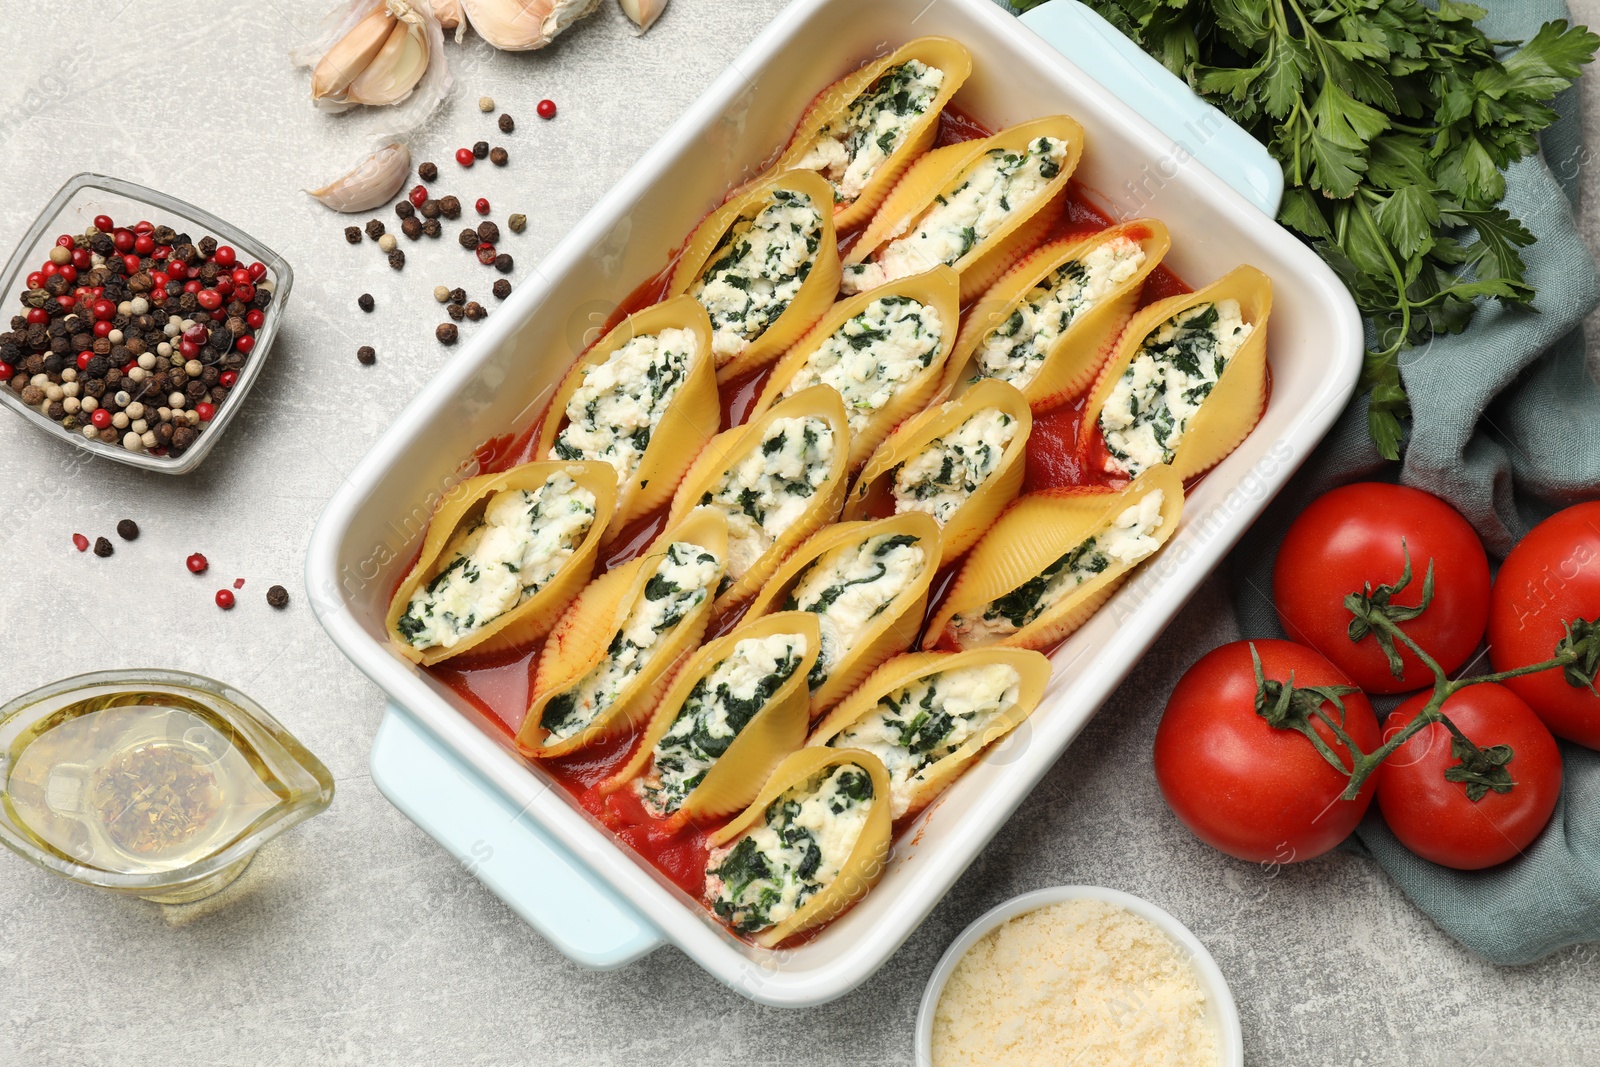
column 459, row 777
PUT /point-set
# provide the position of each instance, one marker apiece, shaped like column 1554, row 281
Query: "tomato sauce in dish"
column 502, row 687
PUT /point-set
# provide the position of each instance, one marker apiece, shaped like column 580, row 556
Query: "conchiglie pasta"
column 1052, row 559
column 961, row 463
column 503, row 555
column 866, row 128
column 928, row 715
column 644, row 400
column 1050, row 323
column 810, row 845
column 882, row 351
column 765, row 266
column 1188, row 380
column 974, row 206
column 610, row 655
column 867, row 583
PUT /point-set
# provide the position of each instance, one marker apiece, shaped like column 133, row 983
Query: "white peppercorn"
column 71, row 405
column 70, row 388
column 135, row 410
column 485, row 103
column 90, row 430
column 147, row 360
column 120, row 420
column 122, row 398
column 53, row 392
column 69, row 374
column 148, row 439
column 115, row 337
column 193, row 368
column 441, row 293
column 140, row 305
column 125, row 308
column 176, row 401
column 90, row 403
column 132, row 441
column 138, row 426
column 171, row 329
column 387, row 242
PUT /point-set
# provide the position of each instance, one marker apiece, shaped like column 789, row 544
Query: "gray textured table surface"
column 356, row 939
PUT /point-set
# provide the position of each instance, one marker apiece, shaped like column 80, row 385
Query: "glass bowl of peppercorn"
column 136, row 323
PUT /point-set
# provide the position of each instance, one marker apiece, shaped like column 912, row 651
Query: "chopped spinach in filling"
column 920, row 724
column 718, row 708
column 511, row 551
column 1175, row 369
column 849, row 150
column 940, row 478
column 873, row 355
column 848, row 587
column 768, row 489
column 681, row 583
column 799, row 848
column 1015, row 350
column 616, row 408
column 993, row 189
column 1129, row 538
column 757, row 269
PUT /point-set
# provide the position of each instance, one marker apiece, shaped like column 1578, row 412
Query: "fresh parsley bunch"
column 1394, row 124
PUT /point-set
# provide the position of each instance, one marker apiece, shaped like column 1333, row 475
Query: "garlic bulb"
column 382, row 53
column 399, row 64
column 373, row 181
column 643, row 12
column 522, row 25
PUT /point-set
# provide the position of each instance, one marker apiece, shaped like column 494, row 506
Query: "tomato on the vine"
column 1253, row 790
column 1488, row 809
column 1550, row 579
column 1357, row 538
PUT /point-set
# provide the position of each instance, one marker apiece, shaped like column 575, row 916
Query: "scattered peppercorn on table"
column 356, row 938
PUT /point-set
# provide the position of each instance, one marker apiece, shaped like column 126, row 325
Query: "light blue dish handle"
column 519, row 863
column 1142, row 83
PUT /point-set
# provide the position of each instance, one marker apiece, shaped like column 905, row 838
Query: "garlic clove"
column 448, row 12
column 351, row 56
column 643, row 12
column 399, row 64
column 374, row 181
column 523, row 25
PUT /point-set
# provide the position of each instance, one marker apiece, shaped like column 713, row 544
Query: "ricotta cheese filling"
column 768, row 489
column 720, row 705
column 999, row 184
column 1175, row 369
column 849, row 150
column 848, row 587
column 799, row 847
column 616, row 408
column 1128, row 539
column 940, row 478
column 920, row 724
column 1015, row 350
column 511, row 551
column 869, row 358
column 756, row 270
column 681, row 583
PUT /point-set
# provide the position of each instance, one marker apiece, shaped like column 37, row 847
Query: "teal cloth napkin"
column 1506, row 427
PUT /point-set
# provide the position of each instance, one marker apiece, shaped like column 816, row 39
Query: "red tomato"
column 1551, row 577
column 1353, row 536
column 1255, row 791
column 1433, row 816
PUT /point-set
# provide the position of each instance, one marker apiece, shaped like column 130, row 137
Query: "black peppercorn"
column 427, row 171
column 488, row 232
column 432, row 228
column 468, row 238
column 474, row 311
column 374, row 228
column 208, row 245
column 404, row 208
column 502, row 288
column 446, row 333
column 480, row 150
column 128, row 530
column 504, row 263
column 102, row 547
column 364, row 301
column 458, row 295
column 450, row 207
column 498, row 156
column 430, row 209
column 397, row 260
column 182, row 438
column 262, row 299
column 507, row 124
column 455, row 311
column 278, row 596
column 412, row 228
column 366, row 356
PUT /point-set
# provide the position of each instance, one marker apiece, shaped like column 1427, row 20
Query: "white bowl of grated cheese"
column 1077, row 974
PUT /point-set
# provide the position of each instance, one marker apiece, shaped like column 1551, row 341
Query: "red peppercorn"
column 123, row 240
column 104, row 224
column 464, row 157
column 6, row 371
column 49, row 270
column 482, row 206
column 101, row 418
column 128, row 366
column 161, row 252
column 188, row 349
column 486, row 254
column 69, row 272
column 223, row 285
column 244, row 293
column 196, row 563
column 103, row 309
column 178, row 270
column 144, row 244
column 35, row 280
column 38, row 316
column 66, row 241
column 220, row 315
column 67, row 302
column 83, row 359
column 254, row 318
column 241, row 276
column 196, row 334
column 225, row 256
column 225, row 599
column 82, row 258
column 144, row 226
column 131, row 262
column 209, row 299
column 257, row 271
column 418, row 196
column 192, row 285
column 80, row 542
column 227, row 378
column 205, row 411
column 547, row 109
column 245, row 344
column 101, row 328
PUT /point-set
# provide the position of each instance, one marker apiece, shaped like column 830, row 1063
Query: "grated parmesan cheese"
column 1083, row 982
